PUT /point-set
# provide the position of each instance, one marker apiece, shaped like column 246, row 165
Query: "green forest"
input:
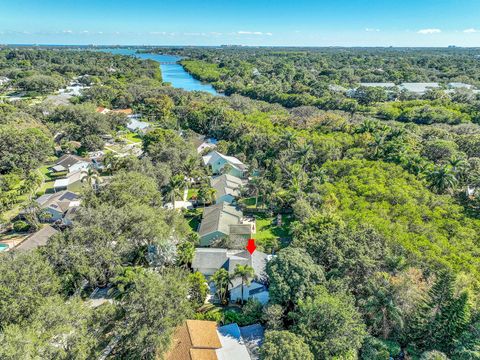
column 380, row 257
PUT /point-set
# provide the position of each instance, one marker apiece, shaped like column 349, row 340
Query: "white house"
column 58, row 204
column 218, row 161
column 419, row 88
column 135, row 125
column 72, row 181
column 70, row 163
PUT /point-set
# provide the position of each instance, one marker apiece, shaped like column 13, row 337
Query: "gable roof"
column 209, row 258
column 69, row 179
column 217, row 258
column 135, row 124
column 60, row 201
column 233, row 347
column 212, row 156
column 219, row 217
column 195, row 340
column 226, row 184
column 67, row 160
column 40, row 238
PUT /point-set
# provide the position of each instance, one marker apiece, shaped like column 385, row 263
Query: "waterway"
column 172, row 72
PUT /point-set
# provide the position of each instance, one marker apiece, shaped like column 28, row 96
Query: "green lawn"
column 134, row 137
column 267, row 229
column 249, row 203
column 192, row 193
column 194, row 217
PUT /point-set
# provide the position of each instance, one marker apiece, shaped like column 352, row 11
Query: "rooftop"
column 195, row 340
column 40, row 238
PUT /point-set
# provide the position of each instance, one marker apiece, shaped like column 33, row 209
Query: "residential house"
column 385, row 85
column 70, row 163
column 40, row 238
column 224, row 220
column 72, row 182
column 103, row 110
column 209, row 143
column 218, row 161
column 4, row 80
column 202, row 340
column 208, row 260
column 419, row 88
column 227, row 188
column 58, row 205
column 135, row 125
column 460, row 85
column 179, row 205
column 253, row 337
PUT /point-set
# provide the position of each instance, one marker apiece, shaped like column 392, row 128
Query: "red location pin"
column 251, row 246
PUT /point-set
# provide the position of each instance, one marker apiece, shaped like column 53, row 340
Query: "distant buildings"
column 417, row 88
column 135, row 125
column 4, row 80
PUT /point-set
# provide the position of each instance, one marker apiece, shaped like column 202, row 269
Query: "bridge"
column 168, row 62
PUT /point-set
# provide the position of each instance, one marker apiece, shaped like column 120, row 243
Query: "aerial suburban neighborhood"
column 277, row 181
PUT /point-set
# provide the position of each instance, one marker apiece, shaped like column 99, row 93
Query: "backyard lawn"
column 269, row 235
column 194, row 217
column 133, row 137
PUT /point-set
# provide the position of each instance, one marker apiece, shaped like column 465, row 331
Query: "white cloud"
column 429, row 31
column 258, row 33
column 67, row 31
column 471, row 31
column 372, row 30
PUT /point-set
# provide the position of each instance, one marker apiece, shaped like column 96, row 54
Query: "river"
column 171, row 72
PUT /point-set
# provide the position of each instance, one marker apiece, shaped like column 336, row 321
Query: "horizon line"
column 240, row 45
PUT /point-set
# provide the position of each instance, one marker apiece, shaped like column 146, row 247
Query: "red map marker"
column 251, row 246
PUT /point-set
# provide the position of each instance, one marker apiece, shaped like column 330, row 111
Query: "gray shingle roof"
column 68, row 160
column 226, row 184
column 60, row 201
column 40, row 238
column 219, row 217
column 209, row 258
column 217, row 258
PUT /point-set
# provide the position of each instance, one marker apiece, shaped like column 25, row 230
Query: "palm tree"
column 110, row 162
column 91, row 177
column 221, row 279
column 459, row 166
column 245, row 273
column 442, row 179
column 175, row 188
column 211, row 195
column 254, row 186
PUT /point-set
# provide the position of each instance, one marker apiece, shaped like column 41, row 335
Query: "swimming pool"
column 3, row 247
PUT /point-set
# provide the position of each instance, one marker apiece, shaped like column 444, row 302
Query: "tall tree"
column 245, row 273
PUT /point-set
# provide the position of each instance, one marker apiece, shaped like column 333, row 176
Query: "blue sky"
column 247, row 22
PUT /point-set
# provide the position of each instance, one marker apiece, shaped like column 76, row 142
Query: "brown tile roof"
column 203, row 334
column 203, row 354
column 123, row 111
column 195, row 340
